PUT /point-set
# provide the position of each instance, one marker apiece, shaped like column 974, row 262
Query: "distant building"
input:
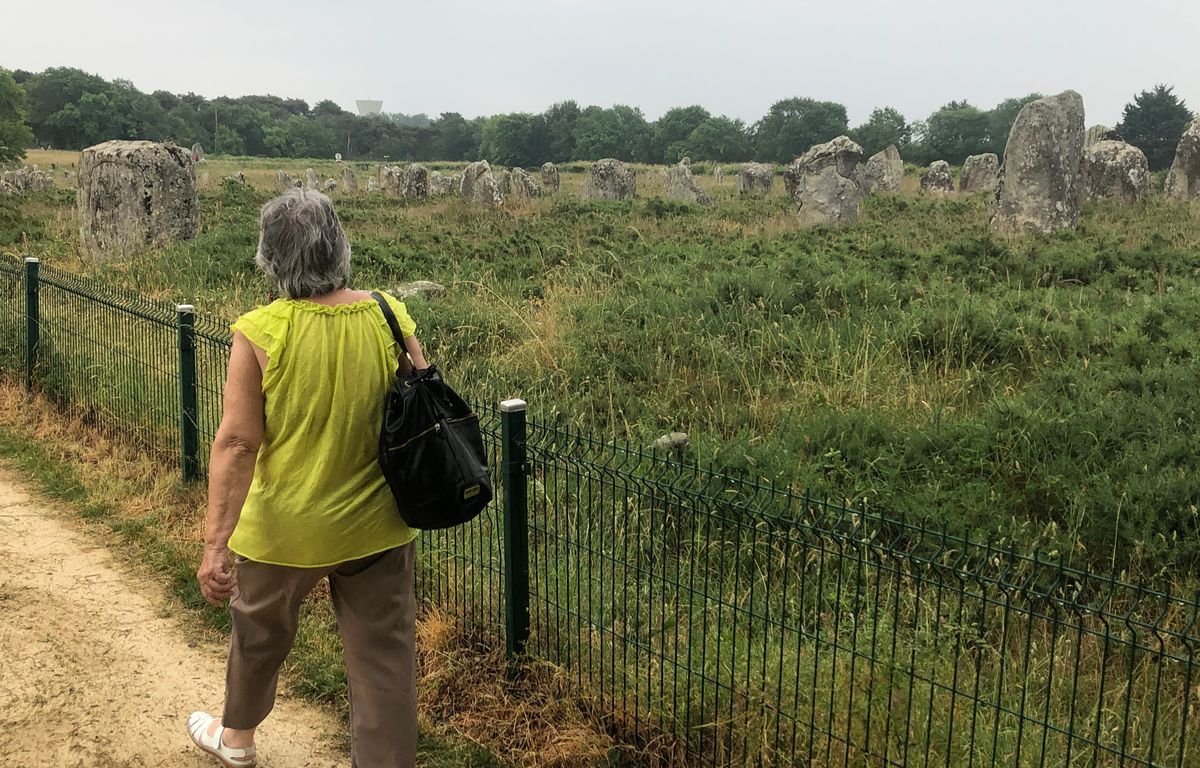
column 369, row 106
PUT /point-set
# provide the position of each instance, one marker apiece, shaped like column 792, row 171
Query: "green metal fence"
column 710, row 620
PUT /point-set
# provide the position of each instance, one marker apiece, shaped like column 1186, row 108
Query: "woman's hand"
column 218, row 580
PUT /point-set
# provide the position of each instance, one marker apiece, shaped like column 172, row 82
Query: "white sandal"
column 230, row 757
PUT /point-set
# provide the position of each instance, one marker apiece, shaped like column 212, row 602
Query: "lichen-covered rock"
column 681, row 185
column 824, row 182
column 609, row 179
column 755, row 179
column 392, row 179
column 980, row 173
column 439, row 184
column 416, row 182
column 718, row 175
column 418, row 288
column 1183, row 182
column 479, row 186
column 522, row 186
column 310, row 179
column 1039, row 189
column 550, row 177
column 283, row 182
column 883, row 172
column 23, row 180
column 349, row 180
column 504, row 181
column 133, row 195
column 372, row 184
column 238, row 178
column 1097, row 134
column 330, row 185
column 937, row 179
column 1114, row 170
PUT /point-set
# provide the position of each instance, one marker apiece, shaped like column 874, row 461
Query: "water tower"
column 369, row 106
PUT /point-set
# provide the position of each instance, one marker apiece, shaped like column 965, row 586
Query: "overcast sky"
column 734, row 58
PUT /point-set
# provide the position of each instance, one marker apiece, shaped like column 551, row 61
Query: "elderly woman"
column 295, row 494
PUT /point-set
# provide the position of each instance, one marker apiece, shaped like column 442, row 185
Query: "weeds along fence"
column 707, row 619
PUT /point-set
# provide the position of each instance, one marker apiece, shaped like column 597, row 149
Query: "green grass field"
column 1042, row 390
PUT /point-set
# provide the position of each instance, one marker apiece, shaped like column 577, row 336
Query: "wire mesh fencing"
column 734, row 624
column 12, row 314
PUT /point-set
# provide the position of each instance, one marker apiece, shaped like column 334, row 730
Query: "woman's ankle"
column 238, row 739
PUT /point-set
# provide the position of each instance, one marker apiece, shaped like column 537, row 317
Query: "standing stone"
column 609, row 179
column 1097, row 134
column 438, row 184
column 824, row 183
column 349, row 180
column 1039, row 189
column 883, row 172
column 133, row 195
column 283, row 182
column 392, row 179
column 980, row 173
column 478, row 185
column 937, row 179
column 1183, row 182
column 372, row 184
column 416, row 182
column 718, row 175
column 522, row 186
column 755, row 179
column 310, row 179
column 330, row 185
column 1114, row 170
column 504, row 181
column 550, row 179
column 681, row 185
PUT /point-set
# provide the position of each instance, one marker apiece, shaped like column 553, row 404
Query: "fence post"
column 32, row 320
column 188, row 431
column 516, row 526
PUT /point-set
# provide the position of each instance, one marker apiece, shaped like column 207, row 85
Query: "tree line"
column 68, row 108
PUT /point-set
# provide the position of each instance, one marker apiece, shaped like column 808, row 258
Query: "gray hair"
column 302, row 247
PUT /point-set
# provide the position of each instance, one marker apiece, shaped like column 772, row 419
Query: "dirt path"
column 93, row 672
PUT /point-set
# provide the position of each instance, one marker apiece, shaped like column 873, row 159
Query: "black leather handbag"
column 430, row 448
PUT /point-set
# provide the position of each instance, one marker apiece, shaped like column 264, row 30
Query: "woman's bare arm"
column 231, row 467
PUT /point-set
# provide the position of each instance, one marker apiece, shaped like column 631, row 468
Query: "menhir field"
column 1037, row 388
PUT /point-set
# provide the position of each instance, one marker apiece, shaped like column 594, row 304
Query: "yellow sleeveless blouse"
column 318, row 497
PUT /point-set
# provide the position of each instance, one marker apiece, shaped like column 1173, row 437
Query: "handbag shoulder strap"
column 403, row 366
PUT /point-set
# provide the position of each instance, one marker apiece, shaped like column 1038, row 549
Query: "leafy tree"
column 15, row 134
column 458, row 139
column 328, row 108
column 620, row 132
column 510, row 139
column 228, row 142
column 954, row 132
column 1001, row 118
column 54, row 98
column 717, row 138
column 885, row 126
column 1153, row 122
column 792, row 126
column 560, row 121
column 672, row 130
column 306, row 137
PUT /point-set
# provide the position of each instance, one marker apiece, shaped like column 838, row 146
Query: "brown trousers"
column 376, row 614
